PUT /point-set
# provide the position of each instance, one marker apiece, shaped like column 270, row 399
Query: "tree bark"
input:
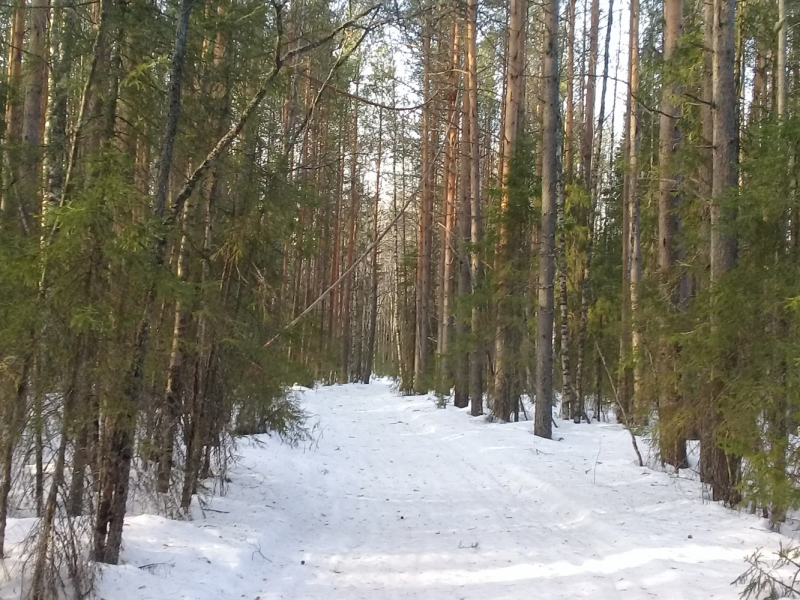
column 543, row 422
column 720, row 468
column 114, row 484
column 505, row 394
column 635, row 264
column 672, row 438
column 461, row 395
column 348, row 282
column 14, row 105
column 593, row 184
column 476, row 359
column 425, row 241
column 373, row 298
column 561, row 265
column 570, row 116
column 780, row 79
column 451, row 189
column 587, row 142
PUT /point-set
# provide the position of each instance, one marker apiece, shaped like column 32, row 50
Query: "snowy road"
column 401, row 500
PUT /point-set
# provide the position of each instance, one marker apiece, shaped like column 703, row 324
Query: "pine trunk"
column 543, row 422
column 672, row 438
column 425, row 235
column 373, row 294
column 476, row 359
column 461, row 398
column 720, row 468
column 348, row 281
column 593, row 185
column 634, row 245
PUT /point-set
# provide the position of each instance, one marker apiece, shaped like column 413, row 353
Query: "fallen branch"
column 619, row 404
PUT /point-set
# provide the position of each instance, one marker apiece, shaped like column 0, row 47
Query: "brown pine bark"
column 587, row 139
column 14, row 107
column 29, row 183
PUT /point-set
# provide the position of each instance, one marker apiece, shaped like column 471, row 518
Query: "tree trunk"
column 635, row 264
column 593, row 185
column 780, row 79
column 451, row 187
column 14, row 103
column 624, row 382
column 587, row 142
column 570, row 76
column 425, row 241
column 373, row 298
column 476, row 359
column 461, row 395
column 174, row 393
column 504, row 397
column 672, row 438
column 561, row 264
column 543, row 423
column 111, row 505
column 348, row 281
column 35, row 84
column 720, row 468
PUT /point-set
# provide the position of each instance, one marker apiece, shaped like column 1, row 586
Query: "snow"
column 399, row 499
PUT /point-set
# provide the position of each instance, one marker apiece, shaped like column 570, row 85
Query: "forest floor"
column 399, row 499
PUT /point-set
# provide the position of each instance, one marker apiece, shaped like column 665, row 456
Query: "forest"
column 511, row 205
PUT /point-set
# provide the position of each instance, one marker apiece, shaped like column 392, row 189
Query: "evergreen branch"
column 82, row 119
column 280, row 60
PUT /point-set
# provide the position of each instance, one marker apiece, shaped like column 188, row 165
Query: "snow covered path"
column 402, row 500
